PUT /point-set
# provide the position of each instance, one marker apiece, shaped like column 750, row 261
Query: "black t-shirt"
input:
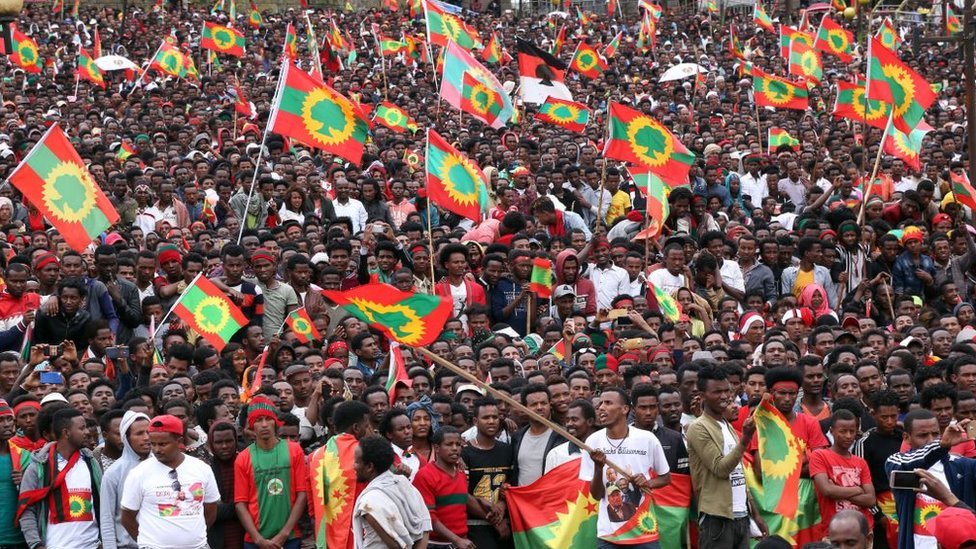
column 876, row 448
column 675, row 449
column 487, row 469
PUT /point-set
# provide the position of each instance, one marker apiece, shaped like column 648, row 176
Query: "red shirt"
column 11, row 306
column 842, row 471
column 253, row 481
column 446, row 497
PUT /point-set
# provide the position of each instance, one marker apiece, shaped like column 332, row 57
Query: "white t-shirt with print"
column 738, row 476
column 640, row 452
column 168, row 518
column 79, row 529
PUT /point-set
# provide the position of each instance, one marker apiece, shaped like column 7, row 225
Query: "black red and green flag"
column 222, row 39
column 569, row 115
column 613, row 46
column 291, row 42
column 781, row 456
column 393, row 117
column 480, row 101
column 805, row 62
column 888, row 35
column 405, row 317
column 169, row 59
column 835, row 40
column 894, row 82
column 640, row 139
column 209, row 312
column 541, row 280
column 760, row 18
column 587, row 61
column 88, row 70
column 852, row 103
column 656, row 191
column 25, row 53
column 779, row 137
column 301, row 325
column 788, row 35
column 254, row 18
column 454, row 181
column 778, row 92
column 444, row 27
column 333, row 483
column 962, row 189
column 53, row 178
column 397, row 375
column 556, row 510
column 318, row 116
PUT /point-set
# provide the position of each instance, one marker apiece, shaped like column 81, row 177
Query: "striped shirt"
column 446, row 497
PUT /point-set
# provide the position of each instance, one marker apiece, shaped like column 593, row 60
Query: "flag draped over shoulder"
column 781, row 456
column 333, row 491
column 406, row 317
column 53, row 178
column 554, row 511
column 672, row 507
column 454, row 181
column 801, row 528
column 209, row 312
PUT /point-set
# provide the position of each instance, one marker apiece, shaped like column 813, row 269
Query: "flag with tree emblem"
column 301, row 325
column 454, row 181
column 637, row 138
column 222, row 39
column 406, row 317
column 209, row 312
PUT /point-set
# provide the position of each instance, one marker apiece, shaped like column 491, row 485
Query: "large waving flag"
column 852, row 103
column 953, row 23
column 781, row 456
column 313, row 113
column 25, row 53
column 565, row 114
column 444, row 27
column 788, row 35
column 332, row 468
column 554, row 511
column 54, row 179
column 540, row 74
column 834, row 39
column 457, row 64
column 480, row 101
column 888, row 35
column 169, row 59
column 222, row 39
column 493, row 50
column 587, row 61
column 454, row 181
column 254, row 19
column 639, row 139
column 209, row 312
column 894, row 82
column 760, row 18
column 805, row 61
column 773, row 91
column 405, row 317
column 88, row 70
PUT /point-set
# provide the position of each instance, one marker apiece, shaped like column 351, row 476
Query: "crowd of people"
column 120, row 430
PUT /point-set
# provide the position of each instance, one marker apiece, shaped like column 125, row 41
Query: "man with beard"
column 134, row 436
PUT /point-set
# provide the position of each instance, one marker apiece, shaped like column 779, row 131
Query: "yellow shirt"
column 803, row 279
column 619, row 205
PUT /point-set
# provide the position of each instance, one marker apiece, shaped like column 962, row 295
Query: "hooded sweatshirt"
column 114, row 534
column 585, row 290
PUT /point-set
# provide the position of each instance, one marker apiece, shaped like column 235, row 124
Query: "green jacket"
column 710, row 467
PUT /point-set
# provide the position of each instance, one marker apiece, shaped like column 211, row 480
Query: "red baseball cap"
column 166, row 424
column 953, row 527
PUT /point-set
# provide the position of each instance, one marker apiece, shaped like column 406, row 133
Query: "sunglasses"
column 173, row 475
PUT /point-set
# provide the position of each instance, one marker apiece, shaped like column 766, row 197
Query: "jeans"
column 290, row 544
column 723, row 533
column 600, row 544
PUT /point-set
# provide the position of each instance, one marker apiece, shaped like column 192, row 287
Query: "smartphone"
column 52, row 350
column 52, row 378
column 634, row 343
column 971, row 430
column 617, row 313
column 118, row 352
column 905, row 480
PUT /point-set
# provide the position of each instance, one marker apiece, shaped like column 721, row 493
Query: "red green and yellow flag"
column 711, row 6
column 888, row 35
column 556, row 510
column 25, row 53
column 788, row 35
column 803, row 527
column 301, row 325
column 291, row 42
column 652, row 9
column 760, row 17
column 88, row 70
column 125, row 151
column 613, row 46
column 962, row 189
column 953, row 23
column 333, row 474
column 54, row 179
column 189, row 67
column 313, row 113
column 405, row 317
column 480, row 101
column 894, row 82
column 493, row 50
column 805, row 62
column 541, row 279
column 584, row 19
column 241, row 104
column 222, row 39
column 781, row 455
column 169, row 59
column 774, row 91
column 397, row 374
column 639, row 139
column 852, row 103
column 412, row 159
column 656, row 191
column 779, row 137
column 444, row 27
column 393, row 117
column 209, row 312
column 672, row 508
column 834, row 39
column 907, row 147
column 454, row 181
column 587, row 61
column 558, row 350
column 97, row 44
column 661, row 300
column 254, row 18
column 557, row 44
column 388, row 46
column 569, row 115
column 459, row 67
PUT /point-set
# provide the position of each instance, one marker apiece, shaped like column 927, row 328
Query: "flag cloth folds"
column 241, row 104
column 805, row 527
column 169, row 59
column 672, row 508
column 397, row 374
column 656, row 192
column 888, row 35
column 805, row 61
column 254, row 18
column 454, row 181
column 788, row 35
column 334, row 491
column 222, row 39
column 613, row 46
column 834, row 39
column 88, row 70
column 779, row 137
column 907, row 147
column 406, row 317
column 661, row 300
column 301, row 325
column 760, row 18
column 587, row 61
column 852, row 102
column 962, row 189
column 125, row 151
column 25, row 53
column 313, row 113
column 639, row 139
column 894, row 82
column 541, row 280
column 291, row 42
column 540, row 74
column 209, row 312
column 458, row 63
column 557, row 43
column 389, row 46
column 774, row 91
column 565, row 114
column 393, row 117
column 53, row 178
column 444, row 27
column 953, row 23
column 97, row 44
column 554, row 511
column 781, row 455
column 493, row 50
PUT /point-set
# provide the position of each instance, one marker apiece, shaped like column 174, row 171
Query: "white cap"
column 53, row 397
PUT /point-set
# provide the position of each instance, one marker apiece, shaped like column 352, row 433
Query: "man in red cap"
column 170, row 499
column 277, row 468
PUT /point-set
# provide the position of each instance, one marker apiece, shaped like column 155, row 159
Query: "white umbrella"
column 115, row 63
column 682, row 71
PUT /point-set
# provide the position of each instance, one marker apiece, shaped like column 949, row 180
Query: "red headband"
column 44, row 260
column 262, row 254
column 27, row 404
column 785, row 384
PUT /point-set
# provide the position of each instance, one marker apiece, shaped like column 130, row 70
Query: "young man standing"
column 279, row 298
column 226, row 530
column 579, row 421
column 170, row 499
column 489, row 465
column 637, row 451
column 842, row 479
column 444, row 488
column 875, row 447
column 12, row 460
column 134, row 433
column 270, row 487
column 60, row 472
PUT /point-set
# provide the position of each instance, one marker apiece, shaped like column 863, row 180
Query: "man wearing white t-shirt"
column 170, row 499
column 623, row 499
